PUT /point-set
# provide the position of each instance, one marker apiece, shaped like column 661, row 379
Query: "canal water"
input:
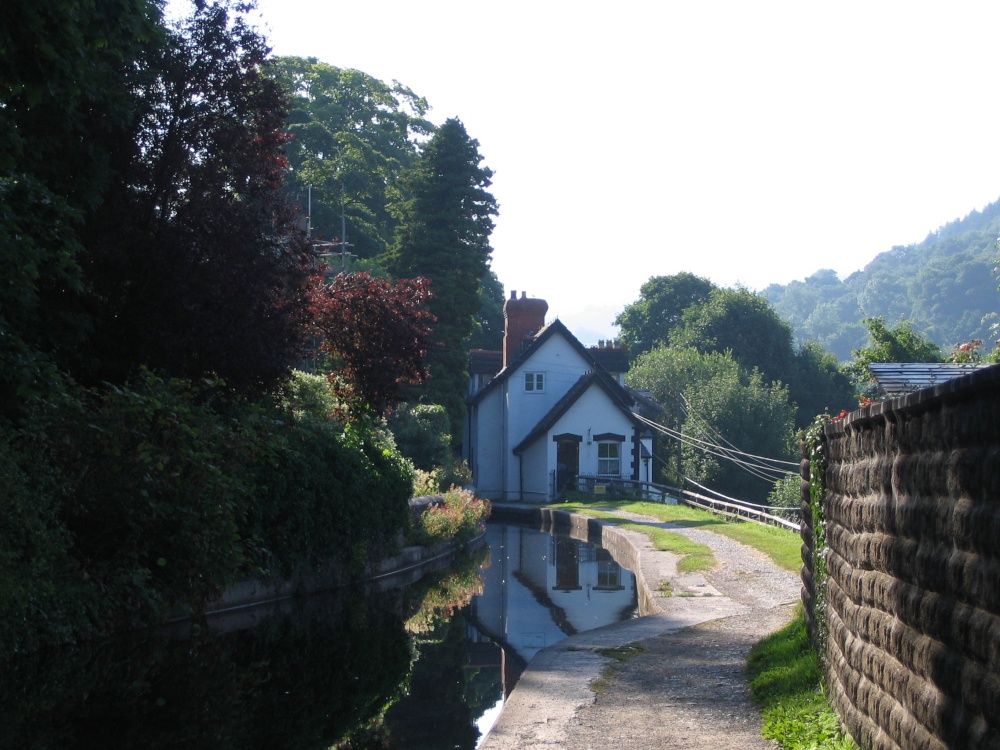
column 417, row 668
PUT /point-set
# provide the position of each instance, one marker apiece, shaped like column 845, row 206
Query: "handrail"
column 665, row 494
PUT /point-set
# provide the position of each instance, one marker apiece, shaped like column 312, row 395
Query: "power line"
column 766, row 473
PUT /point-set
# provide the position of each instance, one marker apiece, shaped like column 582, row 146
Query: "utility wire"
column 688, row 412
column 757, row 469
column 730, row 455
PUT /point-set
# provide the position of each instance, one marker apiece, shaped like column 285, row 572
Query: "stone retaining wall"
column 911, row 597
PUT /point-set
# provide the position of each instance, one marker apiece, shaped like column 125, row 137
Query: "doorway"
column 567, row 464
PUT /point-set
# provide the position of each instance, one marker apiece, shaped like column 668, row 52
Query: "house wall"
column 562, row 366
column 486, row 444
column 595, row 414
column 904, row 601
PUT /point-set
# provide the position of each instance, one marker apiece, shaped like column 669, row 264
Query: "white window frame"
column 534, row 382
column 609, row 465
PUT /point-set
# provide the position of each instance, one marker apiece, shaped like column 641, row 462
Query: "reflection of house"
column 547, row 409
column 539, row 588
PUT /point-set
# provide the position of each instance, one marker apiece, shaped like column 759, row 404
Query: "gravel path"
column 687, row 690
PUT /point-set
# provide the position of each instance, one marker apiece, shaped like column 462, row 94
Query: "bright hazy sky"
column 747, row 142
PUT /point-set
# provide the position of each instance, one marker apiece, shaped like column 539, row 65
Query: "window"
column 534, row 382
column 609, row 459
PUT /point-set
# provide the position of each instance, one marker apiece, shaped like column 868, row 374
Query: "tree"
column 444, row 236
column 489, row 324
column 67, row 80
column 818, row 384
column 708, row 397
column 899, row 343
column 741, row 322
column 195, row 263
column 740, row 414
column 662, row 301
column 378, row 331
column 352, row 138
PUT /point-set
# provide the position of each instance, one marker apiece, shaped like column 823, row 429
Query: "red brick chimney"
column 523, row 318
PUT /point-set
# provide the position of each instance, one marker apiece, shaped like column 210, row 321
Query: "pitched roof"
column 897, row 379
column 615, row 392
column 612, row 360
column 485, row 362
column 544, row 335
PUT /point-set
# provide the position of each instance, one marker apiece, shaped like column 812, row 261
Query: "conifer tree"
column 444, row 237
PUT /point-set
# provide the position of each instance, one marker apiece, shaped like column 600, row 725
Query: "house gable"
column 592, row 379
column 531, row 352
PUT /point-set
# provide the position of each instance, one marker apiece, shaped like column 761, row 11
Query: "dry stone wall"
column 907, row 609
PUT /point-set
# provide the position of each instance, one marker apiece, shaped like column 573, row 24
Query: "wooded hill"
column 944, row 285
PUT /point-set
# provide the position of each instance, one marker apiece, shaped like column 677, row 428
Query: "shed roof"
column 899, row 378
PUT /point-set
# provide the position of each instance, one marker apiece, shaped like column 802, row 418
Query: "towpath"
column 686, row 688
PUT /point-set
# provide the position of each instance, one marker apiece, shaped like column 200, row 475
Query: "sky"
column 746, row 142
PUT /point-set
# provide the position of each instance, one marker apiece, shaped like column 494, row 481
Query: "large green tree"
column 352, row 137
column 741, row 322
column 444, row 236
column 721, row 410
column 488, row 330
column 662, row 301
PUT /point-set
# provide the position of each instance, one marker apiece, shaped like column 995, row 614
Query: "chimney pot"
column 513, row 294
column 522, row 295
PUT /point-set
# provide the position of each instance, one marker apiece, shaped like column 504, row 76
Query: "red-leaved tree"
column 377, row 330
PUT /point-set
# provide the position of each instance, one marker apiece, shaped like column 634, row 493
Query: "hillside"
column 945, row 285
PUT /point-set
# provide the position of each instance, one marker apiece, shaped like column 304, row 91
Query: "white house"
column 548, row 409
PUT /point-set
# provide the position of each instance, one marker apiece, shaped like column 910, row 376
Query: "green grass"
column 619, row 655
column 780, row 544
column 784, row 675
column 694, row 556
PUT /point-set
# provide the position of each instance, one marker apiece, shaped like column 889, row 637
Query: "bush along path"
column 671, row 679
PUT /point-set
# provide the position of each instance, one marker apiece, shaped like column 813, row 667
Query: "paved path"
column 687, row 690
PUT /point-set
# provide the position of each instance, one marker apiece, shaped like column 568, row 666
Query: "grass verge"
column 785, row 681
column 781, row 545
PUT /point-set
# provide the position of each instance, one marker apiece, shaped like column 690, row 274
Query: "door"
column 567, row 464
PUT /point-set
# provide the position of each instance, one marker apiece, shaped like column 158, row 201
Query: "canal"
column 420, row 667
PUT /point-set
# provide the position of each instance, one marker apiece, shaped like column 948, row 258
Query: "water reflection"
column 417, row 667
column 306, row 681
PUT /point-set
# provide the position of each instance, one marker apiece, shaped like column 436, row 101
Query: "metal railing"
column 619, row 487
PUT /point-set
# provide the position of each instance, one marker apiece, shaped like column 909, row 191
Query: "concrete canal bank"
column 685, row 687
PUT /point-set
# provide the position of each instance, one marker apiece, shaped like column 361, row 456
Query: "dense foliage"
column 944, row 286
column 662, row 301
column 352, row 137
column 194, row 261
column 686, row 312
column 444, row 236
column 156, row 296
column 65, row 103
column 377, row 330
column 157, row 494
column 712, row 401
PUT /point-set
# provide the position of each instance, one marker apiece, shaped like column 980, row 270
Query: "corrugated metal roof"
column 899, row 378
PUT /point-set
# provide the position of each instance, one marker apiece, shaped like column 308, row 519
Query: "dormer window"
column 534, row 382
